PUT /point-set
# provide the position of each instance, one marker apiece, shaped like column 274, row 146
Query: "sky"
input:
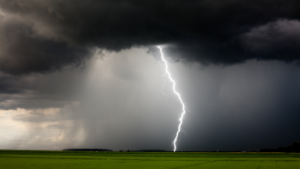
column 88, row 74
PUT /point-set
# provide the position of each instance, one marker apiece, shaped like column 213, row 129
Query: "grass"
column 113, row 160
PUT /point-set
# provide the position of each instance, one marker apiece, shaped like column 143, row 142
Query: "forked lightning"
column 178, row 95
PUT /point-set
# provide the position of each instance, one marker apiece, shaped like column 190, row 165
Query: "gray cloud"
column 116, row 101
column 42, row 36
column 277, row 39
column 23, row 53
column 34, row 116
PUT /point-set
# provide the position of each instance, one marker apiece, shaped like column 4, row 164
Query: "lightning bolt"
column 176, row 93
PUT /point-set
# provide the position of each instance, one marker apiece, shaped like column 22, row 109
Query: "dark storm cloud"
column 117, row 102
column 39, row 91
column 10, row 85
column 23, row 52
column 50, row 34
column 280, row 39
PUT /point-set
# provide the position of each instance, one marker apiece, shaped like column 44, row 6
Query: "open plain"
column 69, row 160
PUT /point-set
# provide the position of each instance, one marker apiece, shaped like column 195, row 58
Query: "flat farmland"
column 112, row 160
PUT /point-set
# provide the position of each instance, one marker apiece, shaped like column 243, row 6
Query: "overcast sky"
column 87, row 74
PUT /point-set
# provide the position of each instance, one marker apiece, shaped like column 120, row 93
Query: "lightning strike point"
column 176, row 93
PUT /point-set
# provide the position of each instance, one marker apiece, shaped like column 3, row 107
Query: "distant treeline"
column 86, row 149
column 295, row 147
column 150, row 150
column 176, row 151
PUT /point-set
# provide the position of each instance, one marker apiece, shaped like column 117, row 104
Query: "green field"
column 115, row 160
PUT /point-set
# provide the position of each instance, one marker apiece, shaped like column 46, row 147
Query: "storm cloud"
column 43, row 36
column 86, row 74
